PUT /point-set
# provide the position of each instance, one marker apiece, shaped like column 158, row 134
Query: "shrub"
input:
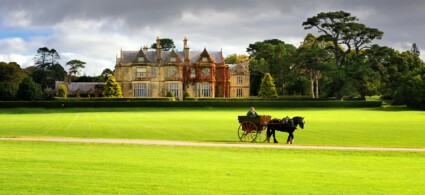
column 112, row 88
column 267, row 87
column 8, row 91
column 62, row 91
column 170, row 94
column 29, row 90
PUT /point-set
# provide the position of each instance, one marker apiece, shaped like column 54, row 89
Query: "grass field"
column 384, row 127
column 72, row 168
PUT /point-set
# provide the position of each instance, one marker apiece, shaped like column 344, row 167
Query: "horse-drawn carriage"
column 251, row 129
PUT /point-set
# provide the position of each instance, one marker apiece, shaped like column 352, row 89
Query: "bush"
column 112, row 88
column 29, row 90
column 170, row 94
column 8, row 91
column 62, row 91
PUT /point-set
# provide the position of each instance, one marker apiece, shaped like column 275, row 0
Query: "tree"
column 415, row 50
column 342, row 29
column 313, row 59
column 166, row 44
column 267, row 88
column 62, row 91
column 45, row 58
column 106, row 73
column 112, row 88
column 10, row 72
column 29, row 90
column 273, row 56
column 75, row 65
column 8, row 90
column 346, row 35
column 47, row 70
column 235, row 58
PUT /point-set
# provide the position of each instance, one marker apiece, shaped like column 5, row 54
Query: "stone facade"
column 239, row 80
column 152, row 73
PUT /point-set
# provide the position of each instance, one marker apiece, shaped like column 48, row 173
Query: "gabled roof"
column 194, row 56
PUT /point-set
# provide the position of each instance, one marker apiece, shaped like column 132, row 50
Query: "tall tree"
column 75, row 66
column 267, row 88
column 166, row 44
column 313, row 60
column 45, row 58
column 346, row 35
column 415, row 49
column 106, row 73
column 47, row 70
column 342, row 29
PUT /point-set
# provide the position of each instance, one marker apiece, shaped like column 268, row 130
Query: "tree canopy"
column 75, row 66
column 166, row 44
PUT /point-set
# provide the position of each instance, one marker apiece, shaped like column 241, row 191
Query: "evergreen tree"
column 267, row 87
column 112, row 88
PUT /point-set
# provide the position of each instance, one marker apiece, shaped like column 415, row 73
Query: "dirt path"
column 209, row 144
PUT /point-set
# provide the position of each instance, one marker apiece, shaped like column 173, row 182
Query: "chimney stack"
column 158, row 50
column 185, row 50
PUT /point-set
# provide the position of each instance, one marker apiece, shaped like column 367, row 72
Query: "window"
column 206, row 72
column 140, row 90
column 204, row 59
column 173, row 59
column 239, row 92
column 239, row 79
column 141, row 59
column 204, row 90
column 174, row 87
column 141, row 72
column 153, row 72
column 192, row 73
column 171, row 72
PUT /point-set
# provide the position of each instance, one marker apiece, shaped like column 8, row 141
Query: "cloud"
column 94, row 31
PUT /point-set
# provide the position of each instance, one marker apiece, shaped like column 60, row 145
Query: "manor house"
column 153, row 73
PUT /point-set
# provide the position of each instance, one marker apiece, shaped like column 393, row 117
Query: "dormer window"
column 204, row 59
column 173, row 59
column 141, row 59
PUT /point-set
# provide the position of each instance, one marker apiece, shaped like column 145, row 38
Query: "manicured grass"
column 73, row 168
column 388, row 127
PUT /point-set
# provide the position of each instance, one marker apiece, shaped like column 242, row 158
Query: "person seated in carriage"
column 252, row 113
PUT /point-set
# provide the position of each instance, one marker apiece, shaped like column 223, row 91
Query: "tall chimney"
column 158, row 50
column 185, row 50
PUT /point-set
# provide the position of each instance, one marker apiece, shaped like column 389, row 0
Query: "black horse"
column 284, row 125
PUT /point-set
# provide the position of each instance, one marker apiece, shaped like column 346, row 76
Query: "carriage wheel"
column 261, row 134
column 247, row 131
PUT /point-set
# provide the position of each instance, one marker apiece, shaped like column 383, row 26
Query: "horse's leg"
column 292, row 138
column 268, row 134
column 288, row 141
column 274, row 136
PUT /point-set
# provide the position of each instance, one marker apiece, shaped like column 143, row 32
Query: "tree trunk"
column 317, row 88
column 312, row 84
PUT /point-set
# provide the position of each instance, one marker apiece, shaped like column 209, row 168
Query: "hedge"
column 159, row 103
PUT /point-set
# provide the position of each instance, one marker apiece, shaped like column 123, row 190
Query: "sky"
column 95, row 31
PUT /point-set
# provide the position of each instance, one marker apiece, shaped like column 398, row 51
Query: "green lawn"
column 73, row 168
column 387, row 127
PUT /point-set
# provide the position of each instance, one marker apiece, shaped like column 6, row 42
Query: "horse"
column 285, row 125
